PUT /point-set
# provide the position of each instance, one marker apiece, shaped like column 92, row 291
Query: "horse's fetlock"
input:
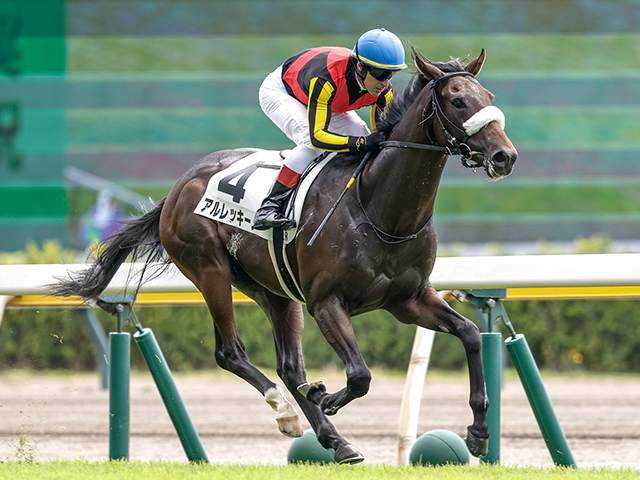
column 479, row 403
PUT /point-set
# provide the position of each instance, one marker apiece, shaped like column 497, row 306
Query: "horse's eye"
column 458, row 103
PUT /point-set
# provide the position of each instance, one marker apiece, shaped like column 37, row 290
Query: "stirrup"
column 273, row 219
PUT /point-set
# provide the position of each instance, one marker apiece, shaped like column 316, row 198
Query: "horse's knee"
column 469, row 334
column 359, row 381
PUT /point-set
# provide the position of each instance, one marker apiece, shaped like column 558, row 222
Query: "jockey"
column 312, row 98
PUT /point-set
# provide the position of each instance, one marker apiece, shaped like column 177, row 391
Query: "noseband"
column 470, row 127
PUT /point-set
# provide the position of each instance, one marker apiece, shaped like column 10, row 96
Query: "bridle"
column 455, row 147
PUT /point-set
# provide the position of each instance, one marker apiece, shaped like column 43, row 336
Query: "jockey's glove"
column 370, row 143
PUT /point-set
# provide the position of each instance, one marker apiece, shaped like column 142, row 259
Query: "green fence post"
column 536, row 393
column 488, row 301
column 146, row 341
column 119, row 355
column 492, row 364
column 119, row 363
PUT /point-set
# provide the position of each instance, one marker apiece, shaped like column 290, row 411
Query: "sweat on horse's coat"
column 349, row 270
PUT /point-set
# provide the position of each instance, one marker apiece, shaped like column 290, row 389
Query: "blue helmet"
column 380, row 48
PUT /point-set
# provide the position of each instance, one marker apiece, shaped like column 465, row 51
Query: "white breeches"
column 291, row 117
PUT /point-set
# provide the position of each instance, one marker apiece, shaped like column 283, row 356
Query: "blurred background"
column 104, row 104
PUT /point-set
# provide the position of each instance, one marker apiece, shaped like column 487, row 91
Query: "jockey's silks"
column 324, row 79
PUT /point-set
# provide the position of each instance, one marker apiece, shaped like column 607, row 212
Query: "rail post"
column 489, row 301
column 146, row 341
column 485, row 300
column 119, row 400
column 539, row 400
column 119, row 361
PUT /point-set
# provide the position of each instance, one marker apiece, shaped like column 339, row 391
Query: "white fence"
column 608, row 276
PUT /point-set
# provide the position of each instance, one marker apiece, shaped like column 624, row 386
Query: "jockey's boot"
column 271, row 212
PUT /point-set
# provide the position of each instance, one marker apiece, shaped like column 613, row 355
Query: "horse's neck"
column 401, row 183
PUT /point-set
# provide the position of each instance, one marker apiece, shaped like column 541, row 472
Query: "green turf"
column 82, row 470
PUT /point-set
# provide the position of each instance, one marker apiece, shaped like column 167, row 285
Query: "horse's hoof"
column 286, row 415
column 347, row 454
column 290, row 426
column 312, row 391
column 478, row 447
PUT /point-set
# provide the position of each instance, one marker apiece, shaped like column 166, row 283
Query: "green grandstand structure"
column 135, row 92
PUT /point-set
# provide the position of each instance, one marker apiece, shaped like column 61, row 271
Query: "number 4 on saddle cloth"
column 234, row 194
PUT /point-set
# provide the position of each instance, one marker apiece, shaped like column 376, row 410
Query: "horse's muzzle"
column 501, row 163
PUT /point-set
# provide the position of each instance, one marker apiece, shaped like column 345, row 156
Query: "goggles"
column 380, row 74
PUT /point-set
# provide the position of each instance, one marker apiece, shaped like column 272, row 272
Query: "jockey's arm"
column 321, row 94
column 377, row 109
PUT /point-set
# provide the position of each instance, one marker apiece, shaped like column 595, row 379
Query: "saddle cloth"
column 234, row 194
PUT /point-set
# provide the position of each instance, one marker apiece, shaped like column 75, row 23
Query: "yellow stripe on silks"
column 332, row 143
column 374, row 108
column 388, row 96
column 374, row 127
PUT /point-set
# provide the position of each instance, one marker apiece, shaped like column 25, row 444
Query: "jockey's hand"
column 370, row 143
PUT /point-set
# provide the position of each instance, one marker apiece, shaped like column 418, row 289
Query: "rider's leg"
column 271, row 212
column 290, row 116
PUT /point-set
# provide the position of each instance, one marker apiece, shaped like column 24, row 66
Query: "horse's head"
column 462, row 113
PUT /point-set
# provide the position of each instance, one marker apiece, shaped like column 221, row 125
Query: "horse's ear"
column 476, row 65
column 424, row 66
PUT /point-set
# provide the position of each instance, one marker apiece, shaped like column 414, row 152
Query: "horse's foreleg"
column 427, row 309
column 335, row 324
column 288, row 325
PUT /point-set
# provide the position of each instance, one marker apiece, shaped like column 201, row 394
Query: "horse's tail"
column 137, row 237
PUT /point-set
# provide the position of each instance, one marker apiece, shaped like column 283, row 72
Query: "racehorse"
column 376, row 252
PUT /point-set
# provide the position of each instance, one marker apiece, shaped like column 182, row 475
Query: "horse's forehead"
column 468, row 86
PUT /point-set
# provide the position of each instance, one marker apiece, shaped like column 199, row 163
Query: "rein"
column 456, row 148
column 393, row 240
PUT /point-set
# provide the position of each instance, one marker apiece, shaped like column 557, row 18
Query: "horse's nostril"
column 500, row 159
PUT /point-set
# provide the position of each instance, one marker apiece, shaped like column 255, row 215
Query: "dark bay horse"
column 376, row 252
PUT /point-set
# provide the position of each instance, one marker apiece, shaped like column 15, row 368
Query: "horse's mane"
column 403, row 99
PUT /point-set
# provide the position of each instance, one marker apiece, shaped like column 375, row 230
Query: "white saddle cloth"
column 234, row 195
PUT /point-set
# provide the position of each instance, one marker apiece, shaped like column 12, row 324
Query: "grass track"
column 81, row 470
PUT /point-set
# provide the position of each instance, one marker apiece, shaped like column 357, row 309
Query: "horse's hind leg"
column 211, row 273
column 427, row 309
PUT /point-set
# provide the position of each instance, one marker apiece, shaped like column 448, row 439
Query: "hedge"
column 584, row 335
column 596, row 336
